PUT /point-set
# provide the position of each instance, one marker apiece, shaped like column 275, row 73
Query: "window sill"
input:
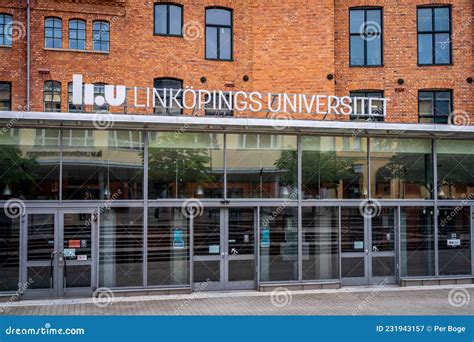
column 80, row 51
column 366, row 66
column 5, row 46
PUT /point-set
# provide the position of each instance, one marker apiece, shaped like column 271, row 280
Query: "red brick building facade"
column 291, row 46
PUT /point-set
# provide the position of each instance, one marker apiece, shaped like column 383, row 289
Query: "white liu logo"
column 85, row 94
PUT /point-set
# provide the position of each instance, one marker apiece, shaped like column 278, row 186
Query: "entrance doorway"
column 368, row 247
column 224, row 249
column 59, row 253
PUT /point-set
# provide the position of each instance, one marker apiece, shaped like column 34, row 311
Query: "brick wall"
column 283, row 46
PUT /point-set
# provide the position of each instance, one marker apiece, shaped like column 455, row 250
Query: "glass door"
column 368, row 247
column 240, row 253
column 40, row 271
column 59, row 253
column 224, row 249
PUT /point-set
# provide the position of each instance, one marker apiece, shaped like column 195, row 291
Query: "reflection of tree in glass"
column 14, row 168
column 170, row 161
column 318, row 168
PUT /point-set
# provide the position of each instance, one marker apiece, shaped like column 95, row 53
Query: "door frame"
column 57, row 283
column 368, row 253
column 223, row 257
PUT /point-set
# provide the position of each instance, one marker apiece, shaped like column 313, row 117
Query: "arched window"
column 53, row 35
column 72, row 107
column 218, row 34
column 167, row 83
column 77, row 34
column 5, row 30
column 52, row 96
column 168, row 19
column 100, row 36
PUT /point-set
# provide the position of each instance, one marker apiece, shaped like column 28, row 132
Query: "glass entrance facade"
column 215, row 211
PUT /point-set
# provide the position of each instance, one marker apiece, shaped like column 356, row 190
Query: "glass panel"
column 374, row 18
column 334, row 167
column 442, row 48
column 353, row 267
column 454, row 240
column 77, row 236
column 40, row 237
column 374, row 51
column 121, row 247
column 225, row 43
column 78, row 276
column 425, row 49
column 38, row 176
column 255, row 171
column 356, row 21
column 352, row 231
column 320, row 243
column 168, row 247
column 278, row 244
column 185, row 165
column 206, row 271
column 207, row 232
column 39, row 277
column 175, row 20
column 383, row 234
column 401, row 168
column 241, row 232
column 96, row 167
column 425, row 19
column 357, row 50
column 241, row 270
column 383, row 266
column 211, row 42
column 160, row 19
column 216, row 16
column 441, row 19
column 455, row 169
column 9, row 252
column 417, row 242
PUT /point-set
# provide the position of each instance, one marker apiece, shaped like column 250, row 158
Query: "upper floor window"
column 77, row 34
column 435, row 106
column 160, row 84
column 168, row 19
column 72, row 107
column 52, row 96
column 434, row 35
column 99, row 90
column 5, row 96
column 218, row 34
column 362, row 109
column 5, row 30
column 53, row 35
column 100, row 36
column 366, row 37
